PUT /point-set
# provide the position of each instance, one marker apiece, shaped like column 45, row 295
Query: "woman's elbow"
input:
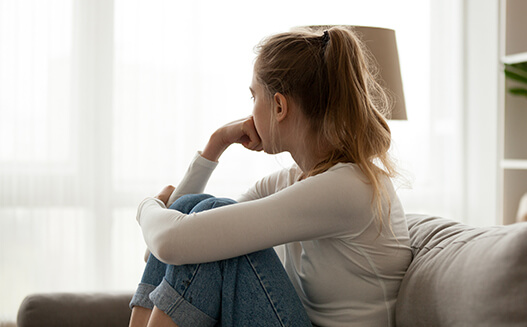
column 165, row 253
column 167, row 257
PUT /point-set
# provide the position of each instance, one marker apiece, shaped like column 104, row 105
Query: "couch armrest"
column 69, row 309
column 463, row 275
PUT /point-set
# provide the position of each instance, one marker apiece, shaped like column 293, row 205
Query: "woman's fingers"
column 165, row 193
column 251, row 140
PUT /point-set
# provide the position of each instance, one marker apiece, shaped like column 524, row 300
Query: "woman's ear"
column 281, row 107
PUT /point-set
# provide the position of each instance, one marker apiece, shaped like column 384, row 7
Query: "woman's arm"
column 326, row 205
column 163, row 196
column 240, row 131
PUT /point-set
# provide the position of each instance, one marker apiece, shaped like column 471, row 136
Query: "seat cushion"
column 70, row 309
column 464, row 276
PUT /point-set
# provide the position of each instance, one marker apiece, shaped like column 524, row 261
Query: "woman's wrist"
column 214, row 148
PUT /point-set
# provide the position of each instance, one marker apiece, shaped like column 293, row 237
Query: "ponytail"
column 354, row 124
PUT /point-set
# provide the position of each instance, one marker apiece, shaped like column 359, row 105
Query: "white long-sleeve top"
column 345, row 272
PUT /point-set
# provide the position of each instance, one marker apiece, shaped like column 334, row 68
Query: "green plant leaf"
column 518, row 91
column 520, row 66
column 515, row 76
column 517, row 72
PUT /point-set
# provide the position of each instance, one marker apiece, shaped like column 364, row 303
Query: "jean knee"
column 188, row 201
column 212, row 202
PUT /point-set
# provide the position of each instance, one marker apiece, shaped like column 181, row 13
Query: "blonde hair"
column 332, row 79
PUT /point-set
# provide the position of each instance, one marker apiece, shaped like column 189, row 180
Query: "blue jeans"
column 249, row 290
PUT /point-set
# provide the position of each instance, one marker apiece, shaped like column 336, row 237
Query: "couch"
column 459, row 276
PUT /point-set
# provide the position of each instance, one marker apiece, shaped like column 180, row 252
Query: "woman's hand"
column 165, row 193
column 240, row 131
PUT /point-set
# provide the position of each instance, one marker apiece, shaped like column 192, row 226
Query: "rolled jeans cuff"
column 141, row 297
column 166, row 298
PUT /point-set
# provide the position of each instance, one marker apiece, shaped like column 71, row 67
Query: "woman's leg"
column 155, row 271
column 141, row 304
column 140, row 317
column 250, row 290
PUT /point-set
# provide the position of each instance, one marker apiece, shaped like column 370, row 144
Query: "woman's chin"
column 272, row 150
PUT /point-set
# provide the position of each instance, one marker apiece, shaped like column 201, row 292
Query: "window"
column 105, row 102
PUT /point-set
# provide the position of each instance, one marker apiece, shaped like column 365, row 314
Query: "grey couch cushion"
column 80, row 310
column 464, row 276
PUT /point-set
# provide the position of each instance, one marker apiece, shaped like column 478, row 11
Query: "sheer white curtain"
column 103, row 102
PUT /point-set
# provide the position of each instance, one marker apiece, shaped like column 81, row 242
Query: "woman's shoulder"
column 350, row 173
column 347, row 182
column 343, row 173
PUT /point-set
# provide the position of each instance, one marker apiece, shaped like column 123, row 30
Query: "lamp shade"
column 381, row 43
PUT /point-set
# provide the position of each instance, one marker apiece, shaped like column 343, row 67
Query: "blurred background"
column 104, row 102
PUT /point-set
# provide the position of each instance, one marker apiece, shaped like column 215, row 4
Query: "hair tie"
column 325, row 38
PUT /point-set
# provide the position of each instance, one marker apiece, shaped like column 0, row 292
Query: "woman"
column 344, row 230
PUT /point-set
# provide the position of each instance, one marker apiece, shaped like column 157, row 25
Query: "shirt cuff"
column 199, row 159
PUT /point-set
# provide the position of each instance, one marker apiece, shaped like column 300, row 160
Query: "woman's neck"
column 303, row 142
column 308, row 153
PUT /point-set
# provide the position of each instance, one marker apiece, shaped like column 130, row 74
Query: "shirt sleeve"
column 271, row 184
column 317, row 207
column 195, row 179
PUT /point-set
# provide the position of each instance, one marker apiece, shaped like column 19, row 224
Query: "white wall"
column 481, row 76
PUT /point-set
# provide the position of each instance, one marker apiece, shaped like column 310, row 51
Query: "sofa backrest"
column 464, row 276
